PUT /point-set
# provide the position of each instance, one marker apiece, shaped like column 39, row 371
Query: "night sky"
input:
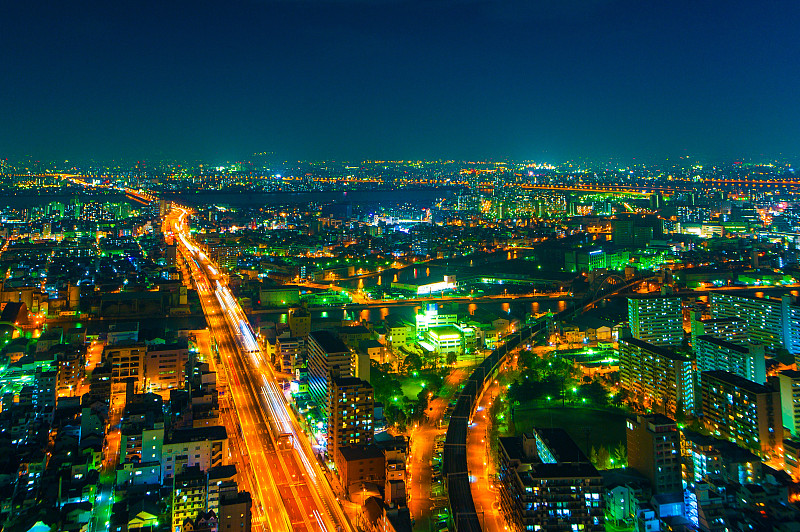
column 350, row 79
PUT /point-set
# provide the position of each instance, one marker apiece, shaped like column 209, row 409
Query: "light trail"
column 307, row 499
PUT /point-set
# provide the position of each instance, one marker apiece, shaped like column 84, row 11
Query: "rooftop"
column 328, row 341
column 736, row 380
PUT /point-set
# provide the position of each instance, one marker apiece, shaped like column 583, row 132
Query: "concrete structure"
column 656, row 320
column 790, row 323
column 360, row 464
column 289, row 352
column 731, row 329
column 747, row 360
column 547, row 483
column 444, row 341
column 762, row 315
column 654, row 451
column 657, row 377
column 351, row 408
column 742, row 411
column 299, row 322
column 165, row 367
column 205, row 447
column 328, row 358
column 789, row 386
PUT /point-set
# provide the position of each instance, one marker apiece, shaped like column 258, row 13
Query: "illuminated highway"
column 290, row 492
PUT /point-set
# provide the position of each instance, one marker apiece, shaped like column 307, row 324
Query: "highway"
column 290, row 491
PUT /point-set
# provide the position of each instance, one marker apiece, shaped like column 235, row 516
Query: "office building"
column 328, row 358
column 165, row 367
column 654, row 451
column 445, row 341
column 548, row 484
column 351, row 408
column 656, row 320
column 742, row 411
column 746, row 360
column 656, row 377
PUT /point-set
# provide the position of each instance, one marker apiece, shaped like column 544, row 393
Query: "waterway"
column 374, row 196
column 376, row 315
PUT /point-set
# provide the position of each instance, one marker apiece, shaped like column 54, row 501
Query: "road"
column 289, row 490
column 484, row 491
column 421, row 497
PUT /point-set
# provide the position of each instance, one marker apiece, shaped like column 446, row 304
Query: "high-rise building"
column 762, row 315
column 656, row 320
column 731, row 329
column 351, row 408
column 548, row 484
column 657, row 377
column 654, row 451
column 790, row 323
column 328, row 358
column 747, row 361
column 742, row 411
column 789, row 385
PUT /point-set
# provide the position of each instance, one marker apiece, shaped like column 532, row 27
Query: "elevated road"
column 289, row 488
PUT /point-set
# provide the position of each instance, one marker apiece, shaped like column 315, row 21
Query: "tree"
column 412, row 362
column 620, row 455
column 452, row 357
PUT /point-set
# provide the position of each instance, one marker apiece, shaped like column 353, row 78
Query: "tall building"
column 742, row 411
column 657, row 377
column 189, row 491
column 654, row 451
column 351, row 409
column 731, row 329
column 328, row 358
column 656, row 320
column 196, row 492
column 299, row 322
column 127, row 362
column 747, row 361
column 762, row 315
column 548, row 484
column 789, row 385
column 790, row 323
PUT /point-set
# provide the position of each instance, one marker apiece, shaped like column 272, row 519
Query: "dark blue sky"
column 351, row 79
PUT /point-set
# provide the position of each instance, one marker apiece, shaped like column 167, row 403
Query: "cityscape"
column 323, row 266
